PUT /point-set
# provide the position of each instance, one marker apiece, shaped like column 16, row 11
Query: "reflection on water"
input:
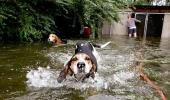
column 29, row 71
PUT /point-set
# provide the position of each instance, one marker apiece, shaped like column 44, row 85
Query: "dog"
column 53, row 38
column 83, row 64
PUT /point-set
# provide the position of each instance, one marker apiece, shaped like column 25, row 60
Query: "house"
column 155, row 22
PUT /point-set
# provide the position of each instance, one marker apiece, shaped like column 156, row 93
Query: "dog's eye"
column 74, row 59
column 87, row 58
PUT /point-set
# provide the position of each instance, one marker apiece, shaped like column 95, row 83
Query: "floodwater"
column 29, row 71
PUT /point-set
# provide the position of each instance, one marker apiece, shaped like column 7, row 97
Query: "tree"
column 20, row 20
column 30, row 20
column 93, row 12
column 97, row 11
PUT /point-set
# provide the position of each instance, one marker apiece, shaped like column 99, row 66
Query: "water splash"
column 59, row 57
column 44, row 77
column 108, row 74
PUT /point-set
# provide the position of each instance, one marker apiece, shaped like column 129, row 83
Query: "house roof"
column 156, row 9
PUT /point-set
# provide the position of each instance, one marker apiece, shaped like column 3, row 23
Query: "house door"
column 154, row 26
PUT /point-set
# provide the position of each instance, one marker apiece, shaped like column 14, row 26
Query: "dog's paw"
column 60, row 79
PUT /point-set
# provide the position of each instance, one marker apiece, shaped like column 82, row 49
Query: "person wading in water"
column 131, row 25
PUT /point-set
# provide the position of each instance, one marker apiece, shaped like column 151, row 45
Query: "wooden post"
column 145, row 27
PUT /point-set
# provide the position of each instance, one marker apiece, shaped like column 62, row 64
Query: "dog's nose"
column 81, row 65
column 48, row 39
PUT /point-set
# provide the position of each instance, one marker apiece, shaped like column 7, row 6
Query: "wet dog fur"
column 83, row 64
column 53, row 38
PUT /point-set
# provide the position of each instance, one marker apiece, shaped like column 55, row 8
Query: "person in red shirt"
column 87, row 32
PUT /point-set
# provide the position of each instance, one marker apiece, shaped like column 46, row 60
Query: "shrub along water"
column 20, row 21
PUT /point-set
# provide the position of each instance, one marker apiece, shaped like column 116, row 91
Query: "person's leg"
column 134, row 32
column 130, row 32
column 135, row 35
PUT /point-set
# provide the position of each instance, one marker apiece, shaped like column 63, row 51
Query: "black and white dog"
column 83, row 64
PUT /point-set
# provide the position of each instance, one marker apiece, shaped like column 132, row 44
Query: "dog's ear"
column 57, row 40
column 93, row 70
column 65, row 72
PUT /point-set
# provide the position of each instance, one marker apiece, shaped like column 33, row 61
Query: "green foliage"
column 29, row 20
column 27, row 30
column 94, row 12
column 20, row 21
column 7, row 20
column 97, row 11
column 102, row 9
column 143, row 2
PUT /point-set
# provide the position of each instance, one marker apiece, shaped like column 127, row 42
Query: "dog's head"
column 80, row 65
column 54, row 39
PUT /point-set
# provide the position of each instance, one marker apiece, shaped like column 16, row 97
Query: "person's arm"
column 136, row 20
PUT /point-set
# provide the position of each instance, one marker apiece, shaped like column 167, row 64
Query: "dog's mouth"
column 81, row 70
column 50, row 42
column 80, row 76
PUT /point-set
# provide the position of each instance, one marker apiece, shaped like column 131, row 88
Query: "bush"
column 19, row 21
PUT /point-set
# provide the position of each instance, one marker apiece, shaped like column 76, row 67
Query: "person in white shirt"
column 131, row 25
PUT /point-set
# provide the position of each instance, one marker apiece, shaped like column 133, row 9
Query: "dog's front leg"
column 62, row 76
